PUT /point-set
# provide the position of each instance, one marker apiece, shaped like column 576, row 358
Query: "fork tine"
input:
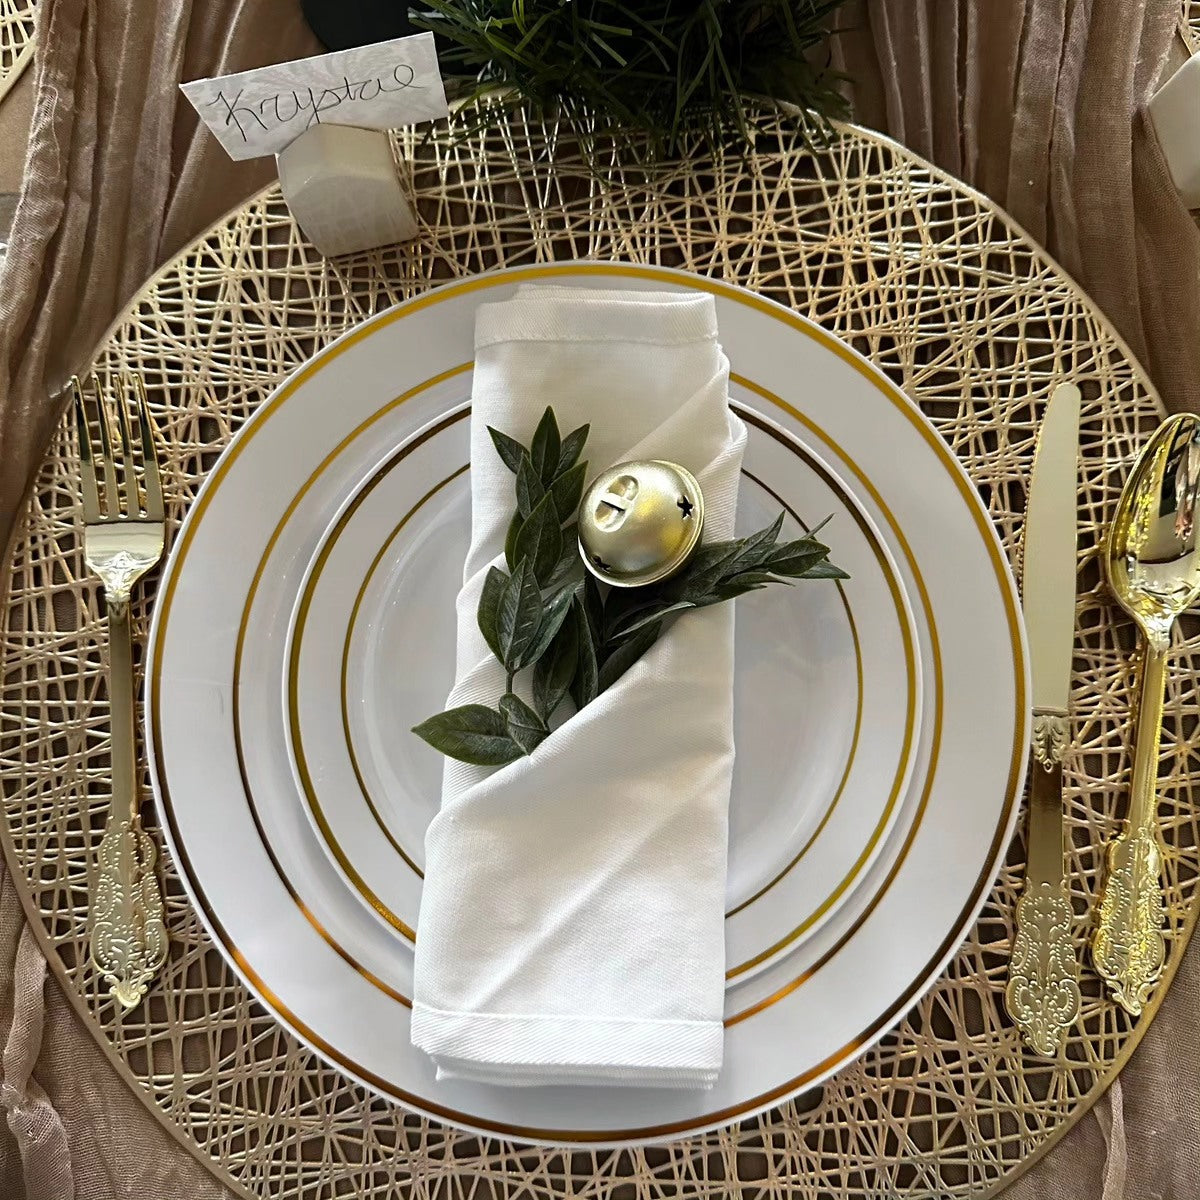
column 87, row 467
column 154, row 499
column 128, row 466
column 112, row 498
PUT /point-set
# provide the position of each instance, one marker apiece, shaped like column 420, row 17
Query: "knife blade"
column 1043, row 988
column 1049, row 555
column 1048, row 584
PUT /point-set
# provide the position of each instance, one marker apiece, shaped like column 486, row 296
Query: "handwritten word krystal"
column 301, row 108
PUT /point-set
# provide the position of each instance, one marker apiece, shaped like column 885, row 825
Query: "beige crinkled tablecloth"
column 1036, row 103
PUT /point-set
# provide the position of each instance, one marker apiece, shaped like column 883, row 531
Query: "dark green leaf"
column 568, row 559
column 585, row 684
column 488, row 613
column 554, row 610
column 730, row 589
column 520, row 613
column 525, row 727
column 707, row 565
column 546, row 447
column 749, row 581
column 626, row 654
column 509, row 449
column 768, row 536
column 594, row 607
column 567, row 491
column 555, row 670
column 794, row 558
column 572, row 448
column 473, row 733
column 656, row 613
column 718, row 561
column 712, row 556
column 824, row 570
column 696, row 587
column 529, row 486
column 539, row 541
column 510, row 540
column 756, row 547
column 623, row 604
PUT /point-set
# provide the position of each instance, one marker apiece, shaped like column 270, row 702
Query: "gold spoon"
column 1152, row 561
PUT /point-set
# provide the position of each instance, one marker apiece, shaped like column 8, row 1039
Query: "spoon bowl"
column 1152, row 553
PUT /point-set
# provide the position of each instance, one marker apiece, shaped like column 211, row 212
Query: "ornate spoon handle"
column 1042, row 996
column 126, row 924
column 1128, row 947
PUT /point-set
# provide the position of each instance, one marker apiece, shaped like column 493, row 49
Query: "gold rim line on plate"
column 858, row 713
column 348, row 867
column 941, row 451
column 310, row 792
column 904, row 619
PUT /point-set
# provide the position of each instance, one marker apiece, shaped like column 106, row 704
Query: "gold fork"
column 122, row 539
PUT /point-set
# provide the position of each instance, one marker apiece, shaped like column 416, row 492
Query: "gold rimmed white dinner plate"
column 246, row 858
column 827, row 688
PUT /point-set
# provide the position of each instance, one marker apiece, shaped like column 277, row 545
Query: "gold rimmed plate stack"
column 828, row 690
column 880, row 726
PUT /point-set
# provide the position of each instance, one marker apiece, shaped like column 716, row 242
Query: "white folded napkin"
column 572, row 919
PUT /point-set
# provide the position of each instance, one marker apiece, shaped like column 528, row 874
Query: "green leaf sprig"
column 544, row 614
column 663, row 70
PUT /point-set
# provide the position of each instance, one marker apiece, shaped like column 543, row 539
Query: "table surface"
column 914, row 270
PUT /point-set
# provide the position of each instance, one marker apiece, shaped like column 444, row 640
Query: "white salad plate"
column 304, row 623
column 827, row 690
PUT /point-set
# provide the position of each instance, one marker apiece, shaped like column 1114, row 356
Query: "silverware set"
column 1151, row 559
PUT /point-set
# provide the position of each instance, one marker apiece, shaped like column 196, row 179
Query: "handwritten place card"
column 380, row 86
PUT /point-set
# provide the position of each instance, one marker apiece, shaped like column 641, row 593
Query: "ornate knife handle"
column 1042, row 996
column 126, row 924
column 1043, row 979
column 1128, row 947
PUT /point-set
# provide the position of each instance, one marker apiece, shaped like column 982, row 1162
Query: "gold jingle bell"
column 639, row 522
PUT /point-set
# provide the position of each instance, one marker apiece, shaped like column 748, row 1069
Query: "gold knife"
column 1043, row 980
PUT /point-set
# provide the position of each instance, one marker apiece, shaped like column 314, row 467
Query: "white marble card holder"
column 1175, row 113
column 341, row 185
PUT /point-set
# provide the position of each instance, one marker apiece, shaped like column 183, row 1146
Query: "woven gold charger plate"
column 919, row 273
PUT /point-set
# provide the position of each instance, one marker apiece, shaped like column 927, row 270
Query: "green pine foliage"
column 659, row 71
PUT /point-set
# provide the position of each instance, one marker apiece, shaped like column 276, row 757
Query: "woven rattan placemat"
column 916, row 271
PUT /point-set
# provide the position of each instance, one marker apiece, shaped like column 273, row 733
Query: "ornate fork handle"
column 1128, row 947
column 127, row 926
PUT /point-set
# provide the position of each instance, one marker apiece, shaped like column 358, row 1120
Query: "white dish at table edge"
column 949, row 863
